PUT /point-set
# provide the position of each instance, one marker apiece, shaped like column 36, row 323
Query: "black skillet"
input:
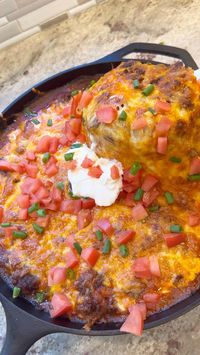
column 25, row 324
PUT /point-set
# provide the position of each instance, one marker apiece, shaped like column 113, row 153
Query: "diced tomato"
column 84, row 218
column 43, row 221
column 1, row 214
column 75, row 102
column 20, row 167
column 194, row 220
column 105, row 225
column 88, row 203
column 71, row 164
column 131, row 180
column 149, row 197
column 32, row 170
column 90, row 255
column 162, row 106
column 67, row 111
column 53, row 206
column 106, row 114
column 84, row 101
column 129, row 188
column 75, row 125
column 134, row 323
column 30, row 155
column 139, row 124
column 63, row 140
column 51, row 161
column 173, row 239
column 195, row 166
column 54, row 143
column 57, row 275
column 72, row 259
column 23, row 214
column 124, row 237
column 6, row 166
column 142, row 308
column 81, row 138
column 163, row 126
column 70, row 241
column 139, row 212
column 52, row 170
column 30, row 185
column 60, row 305
column 87, row 163
column 9, row 231
column 95, row 172
column 42, row 193
column 70, row 206
column 56, row 194
column 23, row 201
column 71, row 137
column 154, row 266
column 151, row 300
column 129, row 201
column 43, row 144
column 141, row 268
column 149, row 182
column 114, row 171
column 162, row 145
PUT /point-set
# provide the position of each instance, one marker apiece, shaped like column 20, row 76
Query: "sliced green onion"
column 135, row 168
column 35, row 121
column 74, row 92
column 123, row 250
column 60, row 186
column 29, row 113
column 92, row 82
column 99, row 235
column 138, row 195
column 38, row 228
column 46, row 157
column 76, row 145
column 40, row 297
column 195, row 177
column 71, row 274
column 41, row 212
column 148, row 90
column 68, row 156
column 34, row 207
column 152, row 111
column 107, row 247
column 169, row 197
column 176, row 228
column 136, row 84
column 77, row 247
column 175, row 159
column 19, row 234
column 16, row 292
column 154, row 208
column 74, row 197
column 5, row 224
column 123, row 116
column 49, row 122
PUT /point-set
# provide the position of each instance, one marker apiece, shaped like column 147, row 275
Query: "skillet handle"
column 22, row 330
column 153, row 48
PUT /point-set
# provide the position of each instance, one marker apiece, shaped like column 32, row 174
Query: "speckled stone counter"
column 81, row 39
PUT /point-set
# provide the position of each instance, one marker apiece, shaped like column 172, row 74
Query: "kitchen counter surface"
column 84, row 38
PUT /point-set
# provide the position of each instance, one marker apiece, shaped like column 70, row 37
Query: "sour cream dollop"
column 104, row 190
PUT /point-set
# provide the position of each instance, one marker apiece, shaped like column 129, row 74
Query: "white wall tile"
column 7, row 6
column 20, row 37
column 3, row 21
column 81, row 8
column 9, row 30
column 46, row 12
column 30, row 6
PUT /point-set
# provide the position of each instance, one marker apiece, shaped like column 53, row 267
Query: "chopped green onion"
column 136, row 84
column 34, row 207
column 123, row 116
column 40, row 296
column 148, row 90
column 38, row 228
column 175, row 159
column 41, row 212
column 77, row 247
column 74, row 92
column 99, row 235
column 195, row 177
column 175, row 228
column 107, row 247
column 152, row 111
column 49, row 122
column 154, row 208
column 16, row 292
column 68, row 156
column 138, row 195
column 29, row 113
column 46, row 157
column 35, row 121
column 135, row 168
column 60, row 186
column 74, row 197
column 71, row 274
column 92, row 82
column 169, row 197
column 19, row 234
column 123, row 250
column 76, row 145
column 5, row 224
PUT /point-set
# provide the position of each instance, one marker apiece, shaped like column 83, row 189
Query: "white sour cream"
column 103, row 190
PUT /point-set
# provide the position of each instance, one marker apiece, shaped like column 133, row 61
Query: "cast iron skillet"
column 25, row 324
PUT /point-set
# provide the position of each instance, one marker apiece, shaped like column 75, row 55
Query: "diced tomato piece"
column 71, row 164
column 114, row 171
column 130, row 180
column 9, row 231
column 149, row 182
column 162, row 106
column 60, row 305
column 141, row 268
column 30, row 185
column 134, row 323
column 23, row 214
column 53, row 206
column 87, row 163
column 51, row 161
column 32, row 170
column 70, row 241
column 23, row 201
column 84, row 101
column 151, row 300
column 67, row 111
column 56, row 194
column 70, row 206
column 142, row 308
column 149, row 197
column 194, row 220
column 95, row 172
column 72, row 259
column 1, row 213
column 173, row 239
column 105, row 225
column 139, row 124
column 163, row 126
column 54, row 143
column 195, row 166
column 71, row 137
column 63, row 140
column 52, row 170
column 129, row 188
column 42, row 193
column 81, row 138
column 90, row 255
column 139, row 212
column 20, row 167
column 88, row 203
column 75, row 101
column 30, row 155
column 124, row 237
column 6, row 166
column 57, row 275
column 129, row 201
column 162, row 145
column 43, row 221
column 106, row 114
column 84, row 218
column 43, row 144
column 75, row 125
column 154, row 266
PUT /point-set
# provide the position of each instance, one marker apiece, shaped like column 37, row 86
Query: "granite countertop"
column 84, row 38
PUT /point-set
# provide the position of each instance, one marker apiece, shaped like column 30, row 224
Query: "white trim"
column 81, row 8
column 20, row 37
column 3, row 21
